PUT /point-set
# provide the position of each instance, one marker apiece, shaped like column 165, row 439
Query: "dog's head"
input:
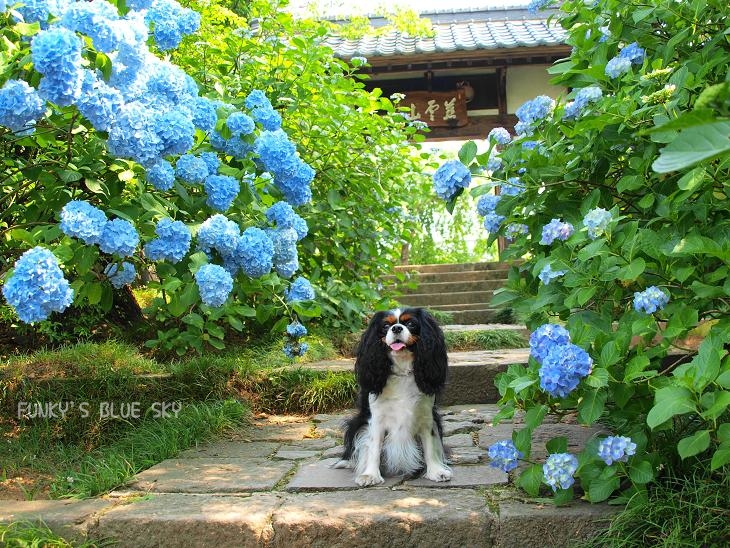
column 400, row 334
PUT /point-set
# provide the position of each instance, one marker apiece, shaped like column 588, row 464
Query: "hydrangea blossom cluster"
column 89, row 224
column 240, row 124
column 596, row 222
column 161, row 175
column 172, row 243
column 262, row 111
column 120, row 275
column 558, row 470
column 449, row 178
column 37, row 287
column 504, row 455
column 56, row 54
column 562, row 369
column 500, row 136
column 294, row 347
column 214, row 284
column 191, row 169
column 20, row 106
column 536, row 5
column 545, row 337
column 583, row 98
column 300, row 290
column 492, row 222
column 532, row 112
column 283, row 215
column 556, row 230
column 255, row 252
column 292, row 176
column 631, row 54
column 494, row 163
column 547, row 274
column 286, row 257
column 221, row 190
column 650, row 300
column 171, row 22
column 515, row 229
column 616, row 449
column 513, row 187
column 487, row 204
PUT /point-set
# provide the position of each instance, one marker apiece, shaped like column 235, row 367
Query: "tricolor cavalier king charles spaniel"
column 401, row 366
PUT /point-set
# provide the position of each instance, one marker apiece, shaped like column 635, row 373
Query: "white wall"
column 527, row 82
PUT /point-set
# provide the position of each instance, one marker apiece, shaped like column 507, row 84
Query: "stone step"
column 460, row 307
column 433, row 299
column 466, row 276
column 214, row 494
column 453, row 267
column 485, row 315
column 471, row 374
column 452, row 287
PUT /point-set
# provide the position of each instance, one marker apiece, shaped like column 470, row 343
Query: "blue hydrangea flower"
column 221, row 190
column 220, row 234
column 119, row 237
column 176, row 132
column 299, row 290
column 214, row 284
column 37, row 286
column 449, row 178
column 295, row 349
column 513, row 187
column 616, row 449
column 269, row 118
column 536, row 5
column 530, row 145
column 33, row 11
column 515, row 229
column 617, row 66
column 212, row 161
column 556, row 230
column 492, row 222
column 494, row 163
column 545, row 337
column 257, row 99
column 119, row 277
column 99, row 102
column 172, row 243
column 171, row 22
column 650, row 300
column 296, row 330
column 80, row 219
column 279, row 157
column 547, row 274
column 161, row 175
column 562, row 369
column 500, row 136
column 583, row 98
column 134, row 135
column 240, row 124
column 286, row 258
column 558, row 470
column 255, row 253
column 282, row 214
column 596, row 221
column 633, row 53
column 296, row 187
column 56, row 54
column 534, row 110
column 487, row 204
column 203, row 113
column 20, row 106
column 97, row 20
column 300, row 227
column 504, row 455
column 191, row 169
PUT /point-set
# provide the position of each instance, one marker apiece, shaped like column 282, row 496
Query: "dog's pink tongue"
column 397, row 346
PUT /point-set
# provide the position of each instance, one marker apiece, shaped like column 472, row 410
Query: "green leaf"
column 600, row 489
column 468, row 152
column 694, row 145
column 531, row 479
column 721, row 457
column 692, row 179
column 720, row 403
column 194, row 319
column 563, row 496
column 632, row 271
column 670, row 401
column 535, row 415
column 521, row 383
column 609, row 354
column 694, row 444
column 94, row 292
column 598, row 378
column 591, row 406
column 641, row 472
column 558, row 444
column 635, row 368
column 523, row 440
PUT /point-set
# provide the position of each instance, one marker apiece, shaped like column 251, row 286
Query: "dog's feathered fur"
column 401, row 366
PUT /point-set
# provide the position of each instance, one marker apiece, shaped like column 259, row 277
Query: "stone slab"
column 212, row 475
column 471, row 476
column 311, row 444
column 70, row 519
column 279, row 432
column 295, row 454
column 548, row 526
column 183, row 521
column 467, row 455
column 231, row 449
column 459, row 440
column 459, row 427
column 321, row 476
column 383, row 517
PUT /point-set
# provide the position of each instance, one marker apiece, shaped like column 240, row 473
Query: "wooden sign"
column 438, row 108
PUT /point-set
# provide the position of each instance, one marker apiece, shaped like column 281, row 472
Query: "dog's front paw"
column 365, row 480
column 438, row 473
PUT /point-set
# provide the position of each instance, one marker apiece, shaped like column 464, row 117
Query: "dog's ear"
column 372, row 364
column 430, row 362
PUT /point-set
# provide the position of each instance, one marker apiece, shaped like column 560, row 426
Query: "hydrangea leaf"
column 670, row 401
column 591, row 406
column 600, row 489
column 641, row 472
column 693, row 145
column 531, row 479
column 721, row 457
column 694, row 444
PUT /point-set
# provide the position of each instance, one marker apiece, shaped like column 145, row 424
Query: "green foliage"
column 357, row 141
column 654, row 152
column 458, row 341
column 29, row 534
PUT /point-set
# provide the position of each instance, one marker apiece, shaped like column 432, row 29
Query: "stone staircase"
column 464, row 290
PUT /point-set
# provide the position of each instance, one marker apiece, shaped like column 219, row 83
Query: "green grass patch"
column 460, row 341
column 679, row 511
column 29, row 534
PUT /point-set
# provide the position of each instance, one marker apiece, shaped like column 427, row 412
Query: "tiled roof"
column 489, row 34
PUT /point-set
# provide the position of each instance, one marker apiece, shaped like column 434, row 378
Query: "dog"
column 401, row 366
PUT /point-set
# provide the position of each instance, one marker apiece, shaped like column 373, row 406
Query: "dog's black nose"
column 396, row 329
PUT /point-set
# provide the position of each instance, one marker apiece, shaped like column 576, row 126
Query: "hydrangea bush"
column 622, row 269
column 118, row 169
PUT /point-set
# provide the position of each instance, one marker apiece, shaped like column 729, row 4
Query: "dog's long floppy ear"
column 430, row 362
column 372, row 365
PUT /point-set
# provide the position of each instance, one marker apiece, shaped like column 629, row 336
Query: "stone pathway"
column 272, row 485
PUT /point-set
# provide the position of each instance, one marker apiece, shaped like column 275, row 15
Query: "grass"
column 28, row 534
column 484, row 340
column 679, row 511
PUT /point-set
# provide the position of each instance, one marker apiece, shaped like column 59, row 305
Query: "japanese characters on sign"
column 438, row 108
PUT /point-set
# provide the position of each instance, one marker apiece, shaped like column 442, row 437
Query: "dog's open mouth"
column 397, row 345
